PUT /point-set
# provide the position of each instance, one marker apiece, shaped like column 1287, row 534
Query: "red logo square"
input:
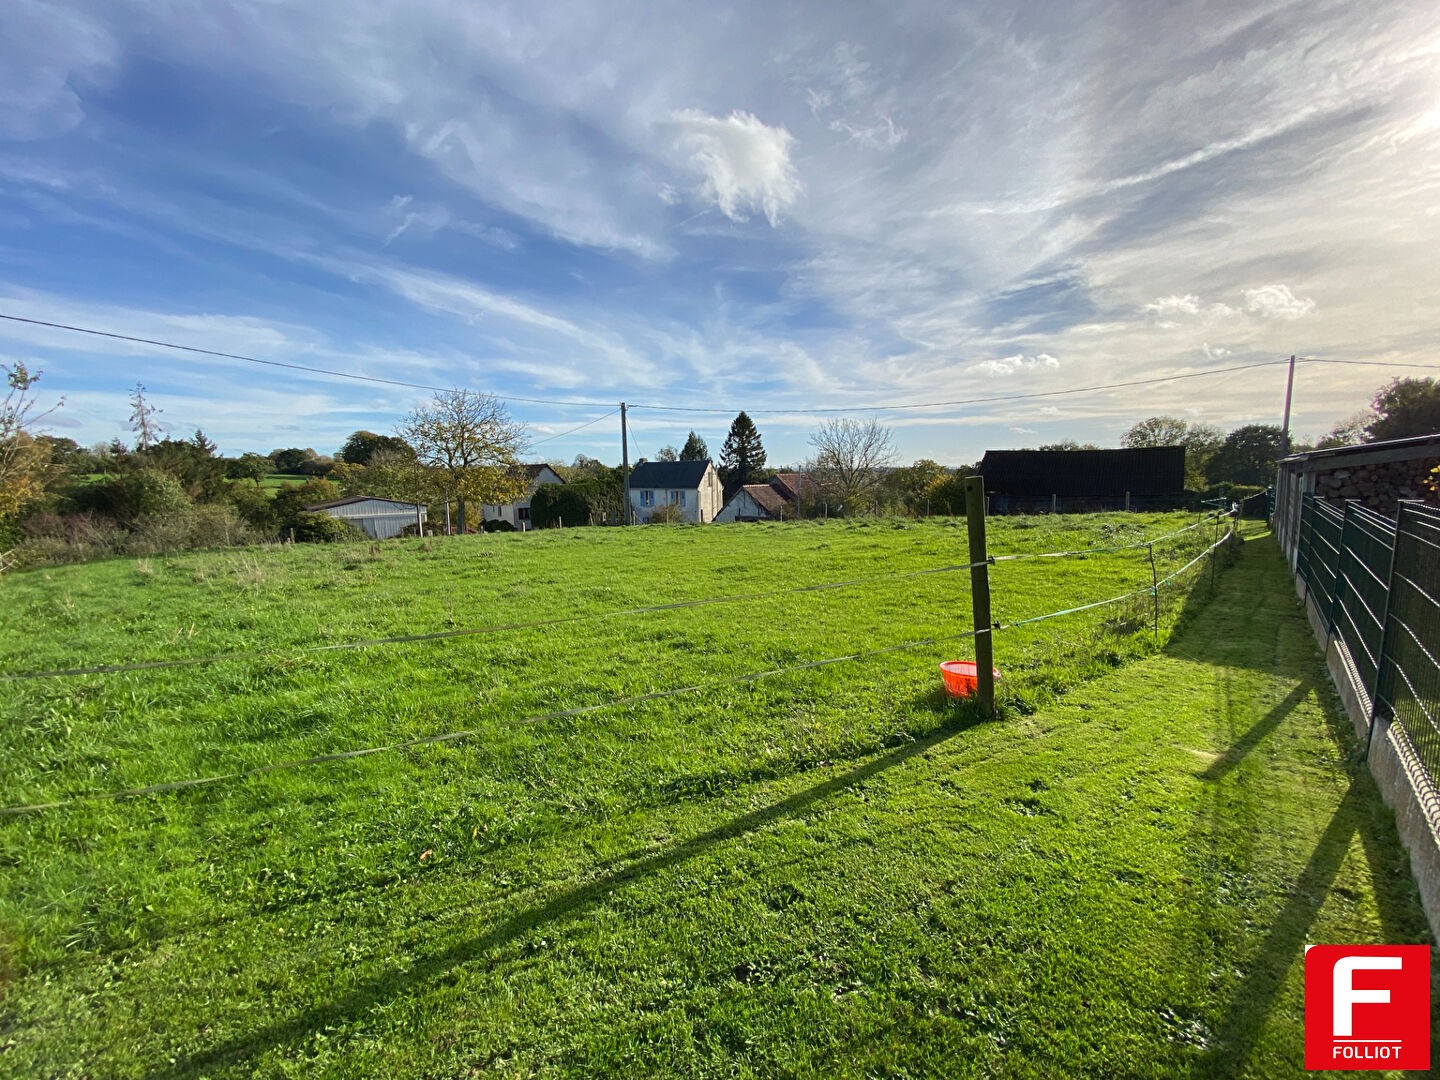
column 1367, row 1007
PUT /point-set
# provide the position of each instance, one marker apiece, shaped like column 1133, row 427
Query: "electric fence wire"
column 468, row 733
column 583, row 710
column 561, row 620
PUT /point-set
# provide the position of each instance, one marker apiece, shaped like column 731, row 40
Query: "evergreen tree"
column 694, row 449
column 742, row 458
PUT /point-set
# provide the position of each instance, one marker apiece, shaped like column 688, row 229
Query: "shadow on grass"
column 1242, row 747
column 1290, row 929
column 567, row 904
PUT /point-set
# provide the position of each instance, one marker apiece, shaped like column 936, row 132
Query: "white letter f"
column 1345, row 994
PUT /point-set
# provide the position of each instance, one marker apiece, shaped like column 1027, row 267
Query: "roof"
column 353, row 499
column 669, row 474
column 532, row 472
column 790, row 484
column 1415, row 442
column 1150, row 470
column 766, row 497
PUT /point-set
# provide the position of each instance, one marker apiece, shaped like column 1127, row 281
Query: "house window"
column 678, row 498
column 647, row 497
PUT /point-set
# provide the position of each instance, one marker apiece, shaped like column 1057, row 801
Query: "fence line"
column 1371, row 586
column 635, row 699
column 561, row 620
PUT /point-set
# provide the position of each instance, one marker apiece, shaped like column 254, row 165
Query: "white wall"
column 380, row 519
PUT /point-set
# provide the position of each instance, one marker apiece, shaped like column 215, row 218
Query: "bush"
column 665, row 515
column 323, row 529
column 497, row 526
column 255, row 507
column 144, row 493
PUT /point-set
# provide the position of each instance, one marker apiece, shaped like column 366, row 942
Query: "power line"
column 976, row 400
column 581, row 427
column 281, row 363
column 1367, row 363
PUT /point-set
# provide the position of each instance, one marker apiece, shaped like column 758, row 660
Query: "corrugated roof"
column 1416, row 441
column 353, row 499
column 1150, row 470
column 669, row 474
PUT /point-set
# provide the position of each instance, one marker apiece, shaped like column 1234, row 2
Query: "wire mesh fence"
column 1376, row 583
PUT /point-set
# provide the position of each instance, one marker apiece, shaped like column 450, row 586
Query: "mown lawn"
column 833, row 871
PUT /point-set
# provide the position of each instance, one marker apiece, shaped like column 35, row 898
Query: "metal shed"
column 381, row 519
column 1021, row 480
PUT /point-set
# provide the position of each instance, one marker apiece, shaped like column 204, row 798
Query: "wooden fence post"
column 980, row 594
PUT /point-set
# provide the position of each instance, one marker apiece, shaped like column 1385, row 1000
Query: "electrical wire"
column 581, row 427
column 283, row 363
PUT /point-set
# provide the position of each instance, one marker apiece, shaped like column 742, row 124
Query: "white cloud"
column 1188, row 304
column 1014, row 365
column 1277, row 302
column 744, row 162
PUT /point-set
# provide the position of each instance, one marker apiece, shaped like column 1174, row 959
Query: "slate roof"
column 766, row 497
column 678, row 475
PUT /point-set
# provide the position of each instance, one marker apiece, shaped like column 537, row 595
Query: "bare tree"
column 144, row 419
column 472, row 447
column 22, row 458
column 850, row 459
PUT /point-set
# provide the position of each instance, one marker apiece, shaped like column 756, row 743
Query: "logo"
column 1367, row 1007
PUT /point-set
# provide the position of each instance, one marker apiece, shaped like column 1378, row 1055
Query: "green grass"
column 828, row 872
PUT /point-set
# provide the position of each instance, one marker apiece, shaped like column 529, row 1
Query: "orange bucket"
column 961, row 677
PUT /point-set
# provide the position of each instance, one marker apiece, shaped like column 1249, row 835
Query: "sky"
column 798, row 209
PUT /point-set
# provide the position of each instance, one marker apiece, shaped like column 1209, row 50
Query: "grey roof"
column 533, row 471
column 669, row 474
column 353, row 499
column 1420, row 442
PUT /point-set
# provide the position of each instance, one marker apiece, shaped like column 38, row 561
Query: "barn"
column 379, row 518
column 1034, row 481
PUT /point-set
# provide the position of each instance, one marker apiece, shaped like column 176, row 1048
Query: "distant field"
column 635, row 889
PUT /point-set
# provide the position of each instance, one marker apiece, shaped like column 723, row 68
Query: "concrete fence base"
column 1393, row 763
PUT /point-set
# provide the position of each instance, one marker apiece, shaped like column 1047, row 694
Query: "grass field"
column 827, row 871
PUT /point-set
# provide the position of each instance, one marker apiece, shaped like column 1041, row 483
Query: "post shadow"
column 569, row 903
column 1241, row 748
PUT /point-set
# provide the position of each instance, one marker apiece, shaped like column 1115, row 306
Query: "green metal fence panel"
column 1408, row 687
column 1362, row 588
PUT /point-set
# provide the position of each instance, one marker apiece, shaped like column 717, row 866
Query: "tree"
column 1247, row 456
column 1068, row 444
column 473, row 446
column 249, row 466
column 22, row 457
column 361, row 446
column 912, row 484
column 290, row 460
column 144, row 419
column 1200, row 442
column 666, row 453
column 1348, row 432
column 851, row 457
column 742, row 458
column 694, row 449
column 1405, row 408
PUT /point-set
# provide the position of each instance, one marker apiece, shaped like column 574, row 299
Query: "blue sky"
column 714, row 207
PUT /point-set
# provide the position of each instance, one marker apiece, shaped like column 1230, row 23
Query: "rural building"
column 1033, row 481
column 1377, row 475
column 774, row 501
column 380, row 518
column 693, row 487
column 518, row 513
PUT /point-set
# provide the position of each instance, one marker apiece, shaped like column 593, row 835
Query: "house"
column 380, row 518
column 517, row 513
column 774, row 501
column 692, row 487
column 1029, row 481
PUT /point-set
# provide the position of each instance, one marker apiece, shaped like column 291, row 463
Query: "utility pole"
column 980, row 594
column 625, row 463
column 1289, row 390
